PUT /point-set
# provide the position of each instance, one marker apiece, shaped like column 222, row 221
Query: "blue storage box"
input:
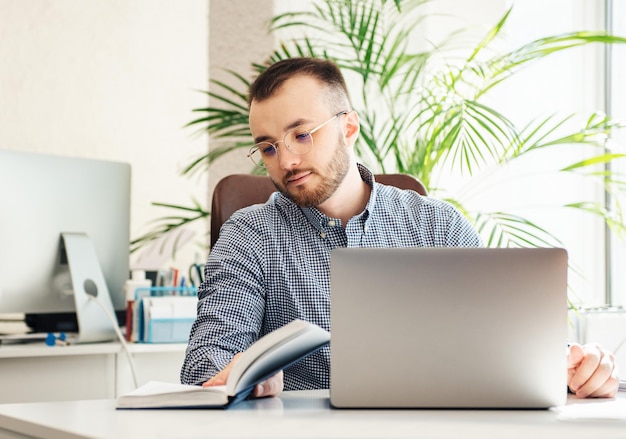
column 174, row 330
column 165, row 314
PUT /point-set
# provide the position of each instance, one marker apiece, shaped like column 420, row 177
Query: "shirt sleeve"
column 231, row 305
column 460, row 232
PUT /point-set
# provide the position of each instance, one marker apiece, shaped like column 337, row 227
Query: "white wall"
column 113, row 80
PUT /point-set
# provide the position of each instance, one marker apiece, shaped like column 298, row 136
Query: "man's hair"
column 324, row 71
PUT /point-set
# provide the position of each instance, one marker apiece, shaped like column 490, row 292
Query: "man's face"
column 308, row 179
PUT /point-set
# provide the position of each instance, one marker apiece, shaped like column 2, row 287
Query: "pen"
column 174, row 277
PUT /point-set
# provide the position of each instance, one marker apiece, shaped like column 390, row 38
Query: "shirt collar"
column 320, row 221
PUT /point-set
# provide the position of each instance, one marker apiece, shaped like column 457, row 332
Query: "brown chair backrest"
column 236, row 191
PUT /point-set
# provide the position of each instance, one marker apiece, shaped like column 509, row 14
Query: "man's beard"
column 332, row 177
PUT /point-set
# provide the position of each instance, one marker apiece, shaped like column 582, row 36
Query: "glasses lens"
column 263, row 154
column 299, row 141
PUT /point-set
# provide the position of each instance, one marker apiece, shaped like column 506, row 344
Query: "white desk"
column 308, row 415
column 34, row 372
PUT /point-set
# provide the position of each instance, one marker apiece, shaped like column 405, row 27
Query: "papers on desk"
column 13, row 324
column 592, row 409
column 14, row 328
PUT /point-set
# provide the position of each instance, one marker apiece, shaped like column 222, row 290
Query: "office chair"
column 236, row 191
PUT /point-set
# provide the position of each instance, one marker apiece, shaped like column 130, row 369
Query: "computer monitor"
column 41, row 198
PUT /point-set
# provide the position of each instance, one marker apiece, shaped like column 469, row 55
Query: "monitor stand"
column 87, row 280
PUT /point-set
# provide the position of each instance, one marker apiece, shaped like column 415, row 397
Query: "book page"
column 275, row 351
column 152, row 388
column 156, row 394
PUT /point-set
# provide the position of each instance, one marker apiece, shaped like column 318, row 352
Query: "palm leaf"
column 507, row 230
column 167, row 224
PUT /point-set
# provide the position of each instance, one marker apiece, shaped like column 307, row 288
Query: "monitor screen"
column 41, row 197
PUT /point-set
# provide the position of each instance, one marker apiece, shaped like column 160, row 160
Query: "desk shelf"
column 34, row 372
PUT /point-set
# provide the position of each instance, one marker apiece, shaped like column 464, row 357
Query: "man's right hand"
column 272, row 386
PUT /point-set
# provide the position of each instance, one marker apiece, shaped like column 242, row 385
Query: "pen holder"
column 165, row 314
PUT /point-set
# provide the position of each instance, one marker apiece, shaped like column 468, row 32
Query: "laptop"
column 448, row 328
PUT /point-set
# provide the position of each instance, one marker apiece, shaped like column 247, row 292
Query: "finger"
column 222, row 376
column 594, row 385
column 608, row 389
column 270, row 387
column 596, row 375
column 575, row 355
column 601, row 385
column 217, row 380
column 586, row 368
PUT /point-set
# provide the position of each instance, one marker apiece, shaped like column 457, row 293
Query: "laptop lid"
column 448, row 327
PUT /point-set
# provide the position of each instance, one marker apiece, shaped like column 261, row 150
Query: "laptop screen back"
column 448, row 327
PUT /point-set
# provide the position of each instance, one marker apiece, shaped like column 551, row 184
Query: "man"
column 271, row 263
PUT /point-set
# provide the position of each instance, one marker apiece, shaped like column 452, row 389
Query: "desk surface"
column 308, row 415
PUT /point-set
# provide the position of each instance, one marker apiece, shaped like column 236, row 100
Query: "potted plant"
column 421, row 112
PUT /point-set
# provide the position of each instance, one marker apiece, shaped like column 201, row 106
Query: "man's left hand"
column 591, row 371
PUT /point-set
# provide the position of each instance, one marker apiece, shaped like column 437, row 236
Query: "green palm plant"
column 421, row 113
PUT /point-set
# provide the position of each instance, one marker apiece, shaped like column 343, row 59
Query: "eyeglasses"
column 298, row 140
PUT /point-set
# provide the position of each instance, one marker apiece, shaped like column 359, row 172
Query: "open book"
column 267, row 356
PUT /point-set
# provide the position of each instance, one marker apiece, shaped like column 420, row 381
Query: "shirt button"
column 331, row 223
column 323, row 235
column 365, row 228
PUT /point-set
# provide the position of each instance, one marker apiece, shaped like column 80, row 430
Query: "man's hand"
column 270, row 387
column 591, row 371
